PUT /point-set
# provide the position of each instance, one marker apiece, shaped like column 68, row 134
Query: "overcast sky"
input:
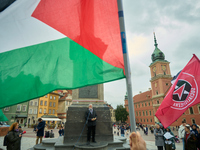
column 177, row 28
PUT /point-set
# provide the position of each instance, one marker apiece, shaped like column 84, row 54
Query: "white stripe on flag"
column 18, row 29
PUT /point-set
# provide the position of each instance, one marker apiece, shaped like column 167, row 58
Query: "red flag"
column 183, row 94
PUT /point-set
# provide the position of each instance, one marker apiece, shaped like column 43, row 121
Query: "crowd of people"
column 164, row 137
column 123, row 129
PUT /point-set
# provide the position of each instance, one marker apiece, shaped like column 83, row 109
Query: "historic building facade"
column 48, row 104
column 147, row 103
column 33, row 111
column 64, row 102
column 17, row 113
column 112, row 113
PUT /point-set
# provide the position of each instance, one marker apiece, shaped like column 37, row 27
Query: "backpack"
column 5, row 141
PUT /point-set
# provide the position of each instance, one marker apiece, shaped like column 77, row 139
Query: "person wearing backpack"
column 13, row 138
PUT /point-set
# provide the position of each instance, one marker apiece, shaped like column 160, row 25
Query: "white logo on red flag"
column 185, row 91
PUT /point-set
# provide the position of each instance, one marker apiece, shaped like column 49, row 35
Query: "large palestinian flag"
column 57, row 44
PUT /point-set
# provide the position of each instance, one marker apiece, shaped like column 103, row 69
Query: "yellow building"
column 48, row 104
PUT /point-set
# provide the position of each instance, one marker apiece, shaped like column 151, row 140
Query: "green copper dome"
column 157, row 54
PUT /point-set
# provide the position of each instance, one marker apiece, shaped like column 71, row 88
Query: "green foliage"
column 121, row 114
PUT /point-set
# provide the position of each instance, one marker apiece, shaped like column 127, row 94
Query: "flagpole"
column 126, row 65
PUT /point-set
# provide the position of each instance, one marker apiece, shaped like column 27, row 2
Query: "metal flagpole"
column 126, row 66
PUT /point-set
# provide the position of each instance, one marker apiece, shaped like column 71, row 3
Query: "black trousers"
column 160, row 147
column 91, row 129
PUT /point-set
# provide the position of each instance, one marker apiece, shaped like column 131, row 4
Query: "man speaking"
column 91, row 118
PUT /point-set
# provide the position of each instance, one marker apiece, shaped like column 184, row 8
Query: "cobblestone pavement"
column 28, row 139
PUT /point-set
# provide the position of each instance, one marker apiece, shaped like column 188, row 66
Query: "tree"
column 121, row 114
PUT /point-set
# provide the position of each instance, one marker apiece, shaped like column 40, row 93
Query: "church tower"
column 160, row 76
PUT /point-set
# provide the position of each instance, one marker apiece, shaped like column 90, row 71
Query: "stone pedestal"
column 76, row 122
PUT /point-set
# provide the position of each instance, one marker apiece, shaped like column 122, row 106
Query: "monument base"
column 118, row 143
column 76, row 122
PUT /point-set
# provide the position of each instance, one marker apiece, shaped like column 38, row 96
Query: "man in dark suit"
column 91, row 117
column 40, row 130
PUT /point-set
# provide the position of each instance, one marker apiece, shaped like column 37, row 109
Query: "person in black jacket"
column 40, row 130
column 14, row 137
column 91, row 118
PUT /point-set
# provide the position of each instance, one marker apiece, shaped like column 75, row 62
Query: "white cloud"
column 177, row 32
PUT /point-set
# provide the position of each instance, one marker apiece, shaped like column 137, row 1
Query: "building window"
column 41, row 102
column 18, row 107
column 45, row 103
column 49, row 111
column 143, row 113
column 53, row 111
column 191, row 110
column 139, row 105
column 157, row 101
column 24, row 108
column 136, row 113
column 45, row 111
column 40, row 110
column 54, row 104
column 50, row 103
column 149, row 104
column 146, row 113
column 136, row 106
column 156, row 92
column 150, row 112
column 142, row 104
column 50, row 97
column 7, row 109
column 151, row 120
column 147, row 120
column 144, row 120
column 145, row 104
column 21, row 121
column 141, row 120
column 30, row 111
column 193, row 121
column 54, row 98
column 184, row 119
column 36, row 103
column 31, row 103
column 45, row 95
column 167, row 84
column 35, row 111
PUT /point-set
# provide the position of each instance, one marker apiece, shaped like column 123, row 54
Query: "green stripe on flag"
column 34, row 71
column 2, row 116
